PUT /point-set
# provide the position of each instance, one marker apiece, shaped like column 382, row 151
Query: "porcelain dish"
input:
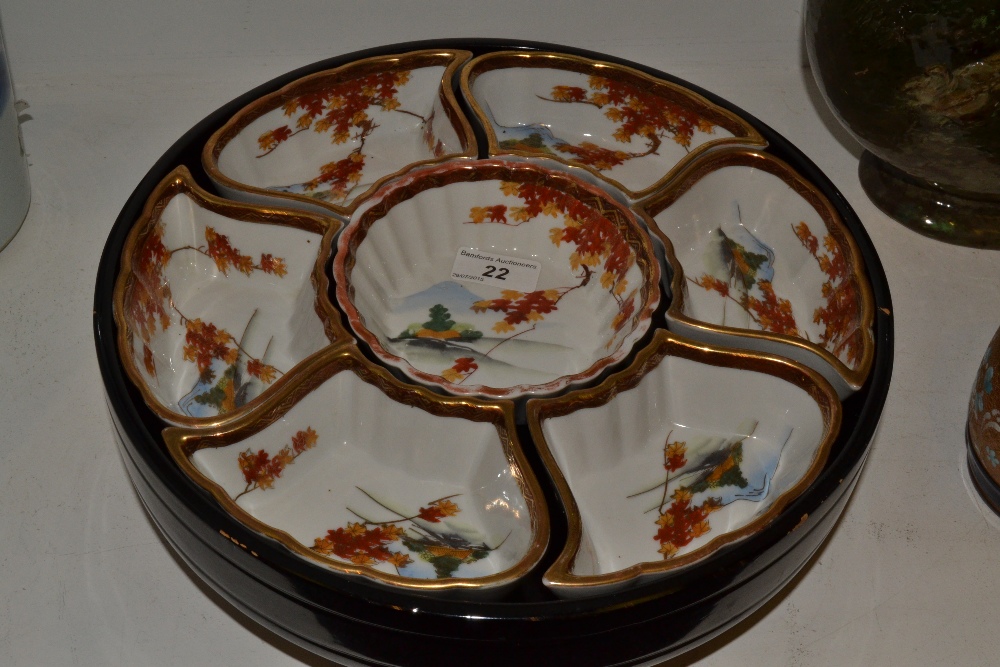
column 262, row 354
column 218, row 302
column 763, row 261
column 496, row 278
column 353, row 470
column 691, row 450
column 325, row 140
column 632, row 130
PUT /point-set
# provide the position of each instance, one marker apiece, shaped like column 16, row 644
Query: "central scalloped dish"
column 496, row 278
column 621, row 280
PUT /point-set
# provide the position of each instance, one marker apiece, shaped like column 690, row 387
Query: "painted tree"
column 598, row 243
column 345, row 112
column 840, row 315
column 599, row 246
column 641, row 116
column 260, row 469
column 679, row 519
column 368, row 542
column 150, row 303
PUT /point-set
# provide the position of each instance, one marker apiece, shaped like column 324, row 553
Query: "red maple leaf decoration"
column 681, row 522
column 260, row 469
column 343, row 110
column 595, row 156
column 465, row 365
column 598, row 243
column 362, row 545
column 225, row 255
column 270, row 139
column 773, row 313
column 711, row 283
column 150, row 296
column 674, row 455
column 150, row 293
column 460, row 370
column 438, row 510
column 596, row 238
column 841, row 314
column 273, row 265
column 639, row 114
column 521, row 307
column 205, row 342
column 263, row 372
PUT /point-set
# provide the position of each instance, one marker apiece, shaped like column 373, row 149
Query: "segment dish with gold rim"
column 496, row 278
column 352, row 470
column 324, row 141
column 218, row 302
column 689, row 451
column 628, row 129
column 763, row 261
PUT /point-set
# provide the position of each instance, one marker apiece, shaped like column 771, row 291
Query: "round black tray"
column 350, row 619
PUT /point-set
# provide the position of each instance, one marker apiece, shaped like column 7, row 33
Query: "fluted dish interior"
column 496, row 278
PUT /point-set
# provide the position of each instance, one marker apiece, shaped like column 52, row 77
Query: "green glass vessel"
column 917, row 82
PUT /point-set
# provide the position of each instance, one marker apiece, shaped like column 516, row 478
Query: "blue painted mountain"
column 454, row 295
column 534, row 136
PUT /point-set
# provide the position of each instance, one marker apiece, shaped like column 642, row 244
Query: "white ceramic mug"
column 15, row 192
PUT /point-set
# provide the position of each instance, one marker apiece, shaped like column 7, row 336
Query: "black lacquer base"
column 353, row 620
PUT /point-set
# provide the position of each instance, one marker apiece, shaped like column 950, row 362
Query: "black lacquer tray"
column 353, row 620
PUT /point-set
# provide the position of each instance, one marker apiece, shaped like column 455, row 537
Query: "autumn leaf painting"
column 600, row 252
column 641, row 118
column 401, row 537
column 260, row 469
column 344, row 112
column 152, row 309
column 699, row 481
column 840, row 314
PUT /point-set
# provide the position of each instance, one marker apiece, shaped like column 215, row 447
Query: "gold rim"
column 659, row 202
column 743, row 133
column 180, row 181
column 452, row 60
column 666, row 344
column 184, row 442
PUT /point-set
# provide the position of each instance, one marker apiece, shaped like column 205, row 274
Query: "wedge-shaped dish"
column 324, row 141
column 631, row 130
column 496, row 278
column 351, row 469
column 692, row 449
column 762, row 261
column 217, row 302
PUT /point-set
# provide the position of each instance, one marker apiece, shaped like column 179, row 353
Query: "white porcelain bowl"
column 216, row 301
column 690, row 450
column 496, row 278
column 324, row 141
column 631, row 130
column 348, row 468
column 762, row 261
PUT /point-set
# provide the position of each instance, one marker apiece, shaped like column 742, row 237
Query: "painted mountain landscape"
column 445, row 330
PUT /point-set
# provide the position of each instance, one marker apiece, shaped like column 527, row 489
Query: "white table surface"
column 910, row 576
